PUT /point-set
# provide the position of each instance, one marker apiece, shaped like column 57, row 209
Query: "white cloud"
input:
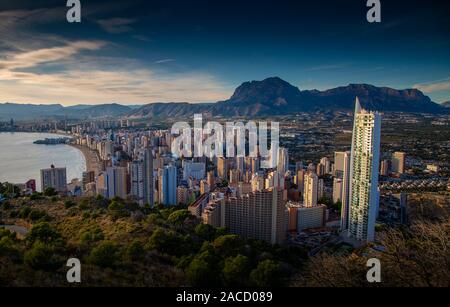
column 434, row 86
column 164, row 61
column 116, row 25
column 94, row 80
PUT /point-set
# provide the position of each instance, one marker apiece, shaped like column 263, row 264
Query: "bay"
column 21, row 160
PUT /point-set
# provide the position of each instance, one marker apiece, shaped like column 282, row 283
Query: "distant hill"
column 274, row 96
column 271, row 96
column 446, row 104
column 31, row 111
column 28, row 111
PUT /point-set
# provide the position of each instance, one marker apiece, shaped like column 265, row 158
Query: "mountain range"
column 271, row 96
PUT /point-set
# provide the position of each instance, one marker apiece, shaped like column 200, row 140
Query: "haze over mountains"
column 272, row 96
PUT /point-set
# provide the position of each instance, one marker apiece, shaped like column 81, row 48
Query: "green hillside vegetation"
column 121, row 244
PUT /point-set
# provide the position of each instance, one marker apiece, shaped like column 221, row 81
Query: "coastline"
column 91, row 157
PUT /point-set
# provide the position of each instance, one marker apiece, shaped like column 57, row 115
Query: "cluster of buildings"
column 235, row 192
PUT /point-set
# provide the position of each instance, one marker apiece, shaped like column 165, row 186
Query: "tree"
column 50, row 191
column 179, row 216
column 167, row 241
column 266, row 274
column 227, row 245
column 42, row 257
column 414, row 257
column 104, row 255
column 235, row 270
column 69, row 204
column 205, row 231
column 203, row 271
column 135, row 251
column 43, row 232
column 117, row 209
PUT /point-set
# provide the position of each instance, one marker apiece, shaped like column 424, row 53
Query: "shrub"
column 235, row 270
column 43, row 232
column 179, row 216
column 205, row 231
column 135, row 251
column 228, row 245
column 93, row 235
column 35, row 215
column 104, row 255
column 24, row 212
column 266, row 274
column 50, row 192
column 69, row 204
column 42, row 257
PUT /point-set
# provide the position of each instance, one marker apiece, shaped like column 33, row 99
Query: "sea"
column 21, row 160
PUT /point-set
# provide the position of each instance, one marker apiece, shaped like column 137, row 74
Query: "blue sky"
column 135, row 52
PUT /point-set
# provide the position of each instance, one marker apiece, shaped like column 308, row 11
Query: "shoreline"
column 91, row 157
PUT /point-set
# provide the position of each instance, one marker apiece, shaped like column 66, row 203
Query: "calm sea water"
column 21, row 160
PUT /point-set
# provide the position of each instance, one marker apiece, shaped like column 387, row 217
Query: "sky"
column 136, row 52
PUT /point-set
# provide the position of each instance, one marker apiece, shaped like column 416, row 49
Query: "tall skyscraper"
column 283, row 160
column 54, row 177
column 148, row 177
column 116, row 181
column 326, row 164
column 137, row 181
column 337, row 190
column 338, row 169
column 310, row 190
column 167, row 185
column 222, row 168
column 345, row 200
column 398, row 162
column 364, row 166
column 142, row 178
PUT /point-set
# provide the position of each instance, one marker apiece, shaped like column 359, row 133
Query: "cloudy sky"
column 135, row 52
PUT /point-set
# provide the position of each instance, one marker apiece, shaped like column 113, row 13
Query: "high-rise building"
column 345, row 200
column 320, row 189
column 137, row 181
column 222, row 167
column 196, row 170
column 235, row 176
column 337, row 190
column 149, row 182
column 204, row 187
column 364, row 166
column 302, row 217
column 258, row 214
column 338, row 169
column 116, row 181
column 326, row 164
column 398, row 162
column 211, row 179
column 384, row 168
column 283, row 160
column 310, row 189
column 141, row 173
column 300, row 180
column 298, row 166
column 240, row 164
column 88, row 177
column 54, row 177
column 167, row 185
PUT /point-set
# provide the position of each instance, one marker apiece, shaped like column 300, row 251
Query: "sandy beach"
column 92, row 159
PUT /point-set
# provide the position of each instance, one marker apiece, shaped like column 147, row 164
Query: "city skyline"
column 154, row 52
